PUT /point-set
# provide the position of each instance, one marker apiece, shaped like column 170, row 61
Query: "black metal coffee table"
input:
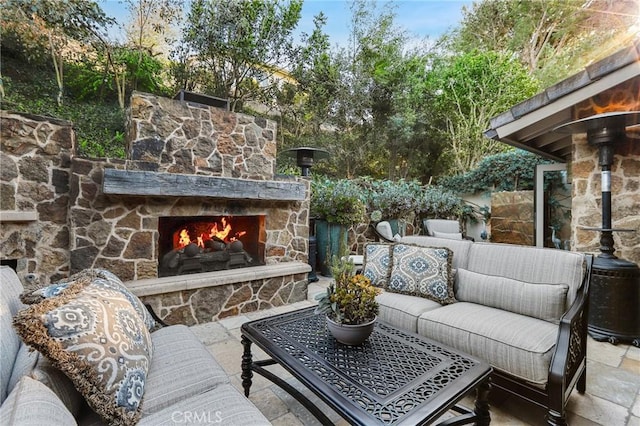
column 395, row 377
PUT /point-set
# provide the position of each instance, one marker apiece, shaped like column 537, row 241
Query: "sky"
column 421, row 18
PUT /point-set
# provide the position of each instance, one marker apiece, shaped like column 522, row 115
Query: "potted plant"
column 335, row 205
column 349, row 304
column 394, row 199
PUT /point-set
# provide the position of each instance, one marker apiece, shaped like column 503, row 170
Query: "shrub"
column 337, row 201
column 507, row 171
column 393, row 199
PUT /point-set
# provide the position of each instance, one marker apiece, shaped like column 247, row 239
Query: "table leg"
column 247, row 361
column 482, row 403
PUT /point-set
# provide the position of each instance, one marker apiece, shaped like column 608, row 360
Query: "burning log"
column 215, row 256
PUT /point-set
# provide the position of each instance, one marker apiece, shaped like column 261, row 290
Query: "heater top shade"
column 619, row 119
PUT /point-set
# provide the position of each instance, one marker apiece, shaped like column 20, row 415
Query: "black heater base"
column 614, row 301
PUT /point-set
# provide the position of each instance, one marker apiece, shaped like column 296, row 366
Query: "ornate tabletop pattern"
column 389, row 375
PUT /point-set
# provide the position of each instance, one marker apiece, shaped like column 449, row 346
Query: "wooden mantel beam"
column 143, row 183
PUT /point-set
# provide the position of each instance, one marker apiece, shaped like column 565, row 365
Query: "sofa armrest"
column 568, row 363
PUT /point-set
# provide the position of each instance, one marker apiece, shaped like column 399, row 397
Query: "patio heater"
column 304, row 156
column 614, row 294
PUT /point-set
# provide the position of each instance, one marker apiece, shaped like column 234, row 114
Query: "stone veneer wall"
column 35, row 158
column 171, row 136
column 77, row 226
column 167, row 136
column 210, row 302
column 512, row 217
column 120, row 233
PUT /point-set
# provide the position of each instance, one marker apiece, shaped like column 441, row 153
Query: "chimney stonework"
column 80, row 225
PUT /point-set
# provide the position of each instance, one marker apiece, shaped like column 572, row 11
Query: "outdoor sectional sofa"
column 522, row 309
column 184, row 383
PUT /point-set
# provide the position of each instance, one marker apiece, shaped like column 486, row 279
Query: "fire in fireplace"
column 195, row 244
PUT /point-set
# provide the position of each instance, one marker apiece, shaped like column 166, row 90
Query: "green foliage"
column 99, row 127
column 438, row 203
column 552, row 38
column 336, row 201
column 468, row 90
column 509, row 171
column 230, row 48
column 394, row 199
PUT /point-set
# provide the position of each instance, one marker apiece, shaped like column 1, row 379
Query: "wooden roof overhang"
column 529, row 125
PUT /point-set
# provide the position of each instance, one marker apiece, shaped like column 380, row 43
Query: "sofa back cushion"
column 543, row 301
column 33, row 403
column 441, row 225
column 377, row 263
column 460, row 248
column 422, row 271
column 9, row 340
column 448, row 235
column 529, row 264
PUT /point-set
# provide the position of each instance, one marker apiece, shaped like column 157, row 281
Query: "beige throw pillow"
column 543, row 301
column 93, row 335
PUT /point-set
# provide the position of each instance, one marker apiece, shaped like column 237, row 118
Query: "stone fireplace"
column 190, row 168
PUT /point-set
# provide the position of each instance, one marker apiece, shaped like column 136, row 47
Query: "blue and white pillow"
column 95, row 337
column 422, row 271
column 377, row 263
column 100, row 278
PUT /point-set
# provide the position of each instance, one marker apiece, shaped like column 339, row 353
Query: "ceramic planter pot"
column 350, row 334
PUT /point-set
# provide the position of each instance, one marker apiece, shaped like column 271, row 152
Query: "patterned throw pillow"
column 93, row 335
column 377, row 263
column 422, row 271
column 99, row 277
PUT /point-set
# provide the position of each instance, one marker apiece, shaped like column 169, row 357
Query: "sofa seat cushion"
column 223, row 405
column 181, row 367
column 516, row 344
column 402, row 310
column 32, row 403
column 543, row 301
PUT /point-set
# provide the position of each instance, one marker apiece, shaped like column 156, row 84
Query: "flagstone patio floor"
column 612, row 397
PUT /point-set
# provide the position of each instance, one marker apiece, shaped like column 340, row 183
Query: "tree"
column 317, row 78
column 236, row 47
column 467, row 91
column 150, row 25
column 552, row 38
column 362, row 104
column 61, row 26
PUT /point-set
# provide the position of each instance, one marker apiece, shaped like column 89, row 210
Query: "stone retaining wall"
column 35, row 159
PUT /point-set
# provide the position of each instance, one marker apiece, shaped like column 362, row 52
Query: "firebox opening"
column 194, row 244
